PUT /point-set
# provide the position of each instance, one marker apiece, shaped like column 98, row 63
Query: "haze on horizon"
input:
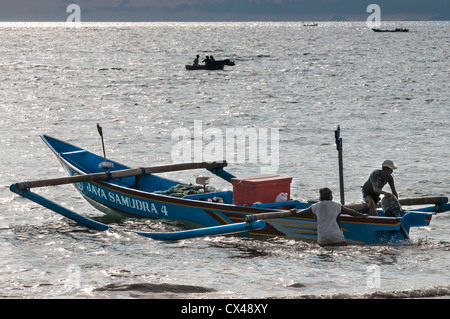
column 222, row 10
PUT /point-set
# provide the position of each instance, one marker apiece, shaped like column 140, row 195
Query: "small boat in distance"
column 225, row 62
column 394, row 30
column 214, row 65
column 210, row 66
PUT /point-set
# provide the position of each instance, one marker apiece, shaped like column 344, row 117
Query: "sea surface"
column 388, row 92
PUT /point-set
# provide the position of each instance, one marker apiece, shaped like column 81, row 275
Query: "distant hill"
column 339, row 18
column 441, row 17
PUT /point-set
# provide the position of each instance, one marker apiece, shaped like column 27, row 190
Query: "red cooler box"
column 261, row 188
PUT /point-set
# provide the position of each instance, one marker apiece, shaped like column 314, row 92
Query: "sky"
column 222, row 10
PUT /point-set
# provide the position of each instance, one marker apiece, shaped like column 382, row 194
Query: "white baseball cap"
column 389, row 163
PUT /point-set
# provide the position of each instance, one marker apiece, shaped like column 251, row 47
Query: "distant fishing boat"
column 225, row 62
column 215, row 65
column 393, row 30
column 210, row 66
column 251, row 207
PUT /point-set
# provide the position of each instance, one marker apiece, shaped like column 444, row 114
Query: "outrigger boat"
column 139, row 193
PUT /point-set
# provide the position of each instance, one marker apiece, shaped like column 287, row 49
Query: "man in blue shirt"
column 196, row 60
column 372, row 188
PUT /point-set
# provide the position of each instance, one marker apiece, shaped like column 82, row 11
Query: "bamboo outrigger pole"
column 436, row 200
column 405, row 201
column 117, row 174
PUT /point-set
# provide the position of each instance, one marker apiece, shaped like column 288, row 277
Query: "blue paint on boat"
column 139, row 196
column 170, row 236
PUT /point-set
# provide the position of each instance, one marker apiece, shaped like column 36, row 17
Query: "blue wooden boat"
column 139, row 192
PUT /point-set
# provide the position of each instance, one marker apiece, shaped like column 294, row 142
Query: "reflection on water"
column 388, row 92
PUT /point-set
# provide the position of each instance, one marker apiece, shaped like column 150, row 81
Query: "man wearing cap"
column 372, row 188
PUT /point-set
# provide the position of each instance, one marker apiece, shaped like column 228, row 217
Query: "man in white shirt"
column 327, row 215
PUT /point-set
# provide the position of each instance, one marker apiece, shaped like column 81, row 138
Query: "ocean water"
column 389, row 93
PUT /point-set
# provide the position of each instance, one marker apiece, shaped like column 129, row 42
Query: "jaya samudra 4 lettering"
column 120, row 199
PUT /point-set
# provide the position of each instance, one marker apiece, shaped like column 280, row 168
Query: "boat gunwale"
column 222, row 207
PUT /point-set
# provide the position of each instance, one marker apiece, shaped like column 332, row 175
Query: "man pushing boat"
column 372, row 188
column 327, row 214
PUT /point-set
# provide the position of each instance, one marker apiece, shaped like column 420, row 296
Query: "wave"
column 155, row 288
column 430, row 292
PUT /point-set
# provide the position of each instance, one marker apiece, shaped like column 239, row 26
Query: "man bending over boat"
column 327, row 214
column 372, row 188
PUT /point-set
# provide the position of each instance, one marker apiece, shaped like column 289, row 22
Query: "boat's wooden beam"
column 270, row 215
column 408, row 202
column 405, row 202
column 117, row 174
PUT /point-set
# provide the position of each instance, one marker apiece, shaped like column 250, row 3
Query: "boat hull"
column 394, row 30
column 138, row 202
column 129, row 203
column 212, row 66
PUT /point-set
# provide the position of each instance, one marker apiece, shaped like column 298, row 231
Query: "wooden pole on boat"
column 117, row 174
column 100, row 131
column 105, row 165
column 337, row 135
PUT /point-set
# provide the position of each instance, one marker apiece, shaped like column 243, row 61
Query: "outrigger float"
column 250, row 208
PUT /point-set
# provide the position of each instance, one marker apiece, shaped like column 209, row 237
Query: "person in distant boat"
column 372, row 188
column 196, row 59
column 327, row 214
column 212, row 58
column 207, row 60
